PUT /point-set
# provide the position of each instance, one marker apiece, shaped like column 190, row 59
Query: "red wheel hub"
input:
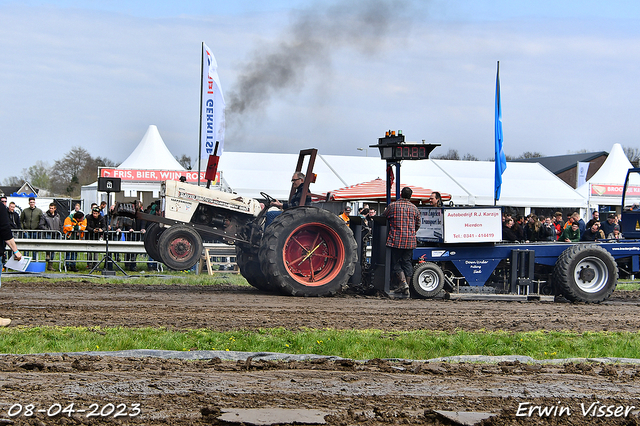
column 180, row 248
column 313, row 254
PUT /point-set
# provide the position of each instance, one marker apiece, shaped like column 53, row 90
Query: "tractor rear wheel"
column 180, row 247
column 307, row 251
column 585, row 273
column 427, row 280
column 151, row 236
column 249, row 266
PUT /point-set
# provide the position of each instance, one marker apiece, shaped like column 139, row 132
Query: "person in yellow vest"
column 74, row 226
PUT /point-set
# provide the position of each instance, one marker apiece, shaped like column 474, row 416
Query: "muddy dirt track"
column 342, row 392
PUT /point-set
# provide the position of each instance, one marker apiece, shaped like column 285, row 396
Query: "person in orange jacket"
column 345, row 214
column 74, row 226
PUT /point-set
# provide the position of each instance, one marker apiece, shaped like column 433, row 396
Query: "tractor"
column 304, row 251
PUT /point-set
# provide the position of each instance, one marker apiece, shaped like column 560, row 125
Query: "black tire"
column 151, row 237
column 427, row 280
column 585, row 273
column 249, row 266
column 307, row 251
column 125, row 209
column 180, row 247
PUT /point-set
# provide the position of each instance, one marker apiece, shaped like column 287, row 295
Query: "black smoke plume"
column 314, row 35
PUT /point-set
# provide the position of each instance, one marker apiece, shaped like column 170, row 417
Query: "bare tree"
column 185, row 161
column 524, row 155
column 37, row 175
column 13, row 181
column 470, row 157
column 75, row 169
column 633, row 154
column 530, row 154
column 452, row 154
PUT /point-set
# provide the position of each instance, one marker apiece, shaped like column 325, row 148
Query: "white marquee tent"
column 151, row 153
column 605, row 186
column 469, row 182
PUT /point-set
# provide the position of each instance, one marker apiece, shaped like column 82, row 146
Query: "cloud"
column 98, row 80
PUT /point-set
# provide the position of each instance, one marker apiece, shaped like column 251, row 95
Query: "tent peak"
column 151, row 153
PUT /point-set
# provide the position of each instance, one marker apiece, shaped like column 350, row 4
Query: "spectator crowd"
column 101, row 223
column 532, row 228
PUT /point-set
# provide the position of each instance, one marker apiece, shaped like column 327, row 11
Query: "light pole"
column 366, row 151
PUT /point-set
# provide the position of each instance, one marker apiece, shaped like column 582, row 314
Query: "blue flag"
column 500, row 159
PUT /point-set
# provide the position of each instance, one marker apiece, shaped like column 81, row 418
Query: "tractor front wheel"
column 180, row 247
column 151, row 237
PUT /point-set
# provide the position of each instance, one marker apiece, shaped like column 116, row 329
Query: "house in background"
column 565, row 166
column 25, row 190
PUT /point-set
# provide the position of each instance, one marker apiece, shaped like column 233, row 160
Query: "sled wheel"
column 151, row 236
column 585, row 273
column 427, row 280
column 180, row 247
column 250, row 269
column 308, row 251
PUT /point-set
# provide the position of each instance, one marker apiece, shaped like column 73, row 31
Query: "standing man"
column 51, row 221
column 595, row 217
column 74, row 227
column 30, row 219
column 435, row 199
column 6, row 237
column 404, row 220
column 559, row 224
column 14, row 217
column 103, row 208
column 345, row 215
column 125, row 227
column 547, row 230
column 607, row 227
column 96, row 225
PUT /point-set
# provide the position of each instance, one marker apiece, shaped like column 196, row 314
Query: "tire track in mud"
column 42, row 302
column 378, row 392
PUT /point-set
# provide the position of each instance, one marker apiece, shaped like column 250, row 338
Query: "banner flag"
column 500, row 158
column 583, row 168
column 212, row 108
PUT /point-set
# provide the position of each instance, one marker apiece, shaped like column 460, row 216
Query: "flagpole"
column 499, row 159
column 496, row 157
column 200, row 125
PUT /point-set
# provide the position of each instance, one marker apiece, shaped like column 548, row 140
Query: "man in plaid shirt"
column 404, row 220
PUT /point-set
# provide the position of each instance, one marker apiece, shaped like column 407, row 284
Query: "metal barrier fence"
column 38, row 234
column 124, row 247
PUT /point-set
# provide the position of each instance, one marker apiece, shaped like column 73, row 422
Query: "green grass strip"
column 355, row 344
column 142, row 278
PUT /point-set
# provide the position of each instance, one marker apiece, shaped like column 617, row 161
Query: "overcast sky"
column 328, row 75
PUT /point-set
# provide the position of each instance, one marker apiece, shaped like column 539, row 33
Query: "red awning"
column 377, row 190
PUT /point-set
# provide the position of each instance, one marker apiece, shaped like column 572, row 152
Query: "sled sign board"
column 472, row 225
column 431, row 225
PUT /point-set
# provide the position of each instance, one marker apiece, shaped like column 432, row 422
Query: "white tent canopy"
column 151, row 153
column 468, row 182
column 523, row 184
column 612, row 173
